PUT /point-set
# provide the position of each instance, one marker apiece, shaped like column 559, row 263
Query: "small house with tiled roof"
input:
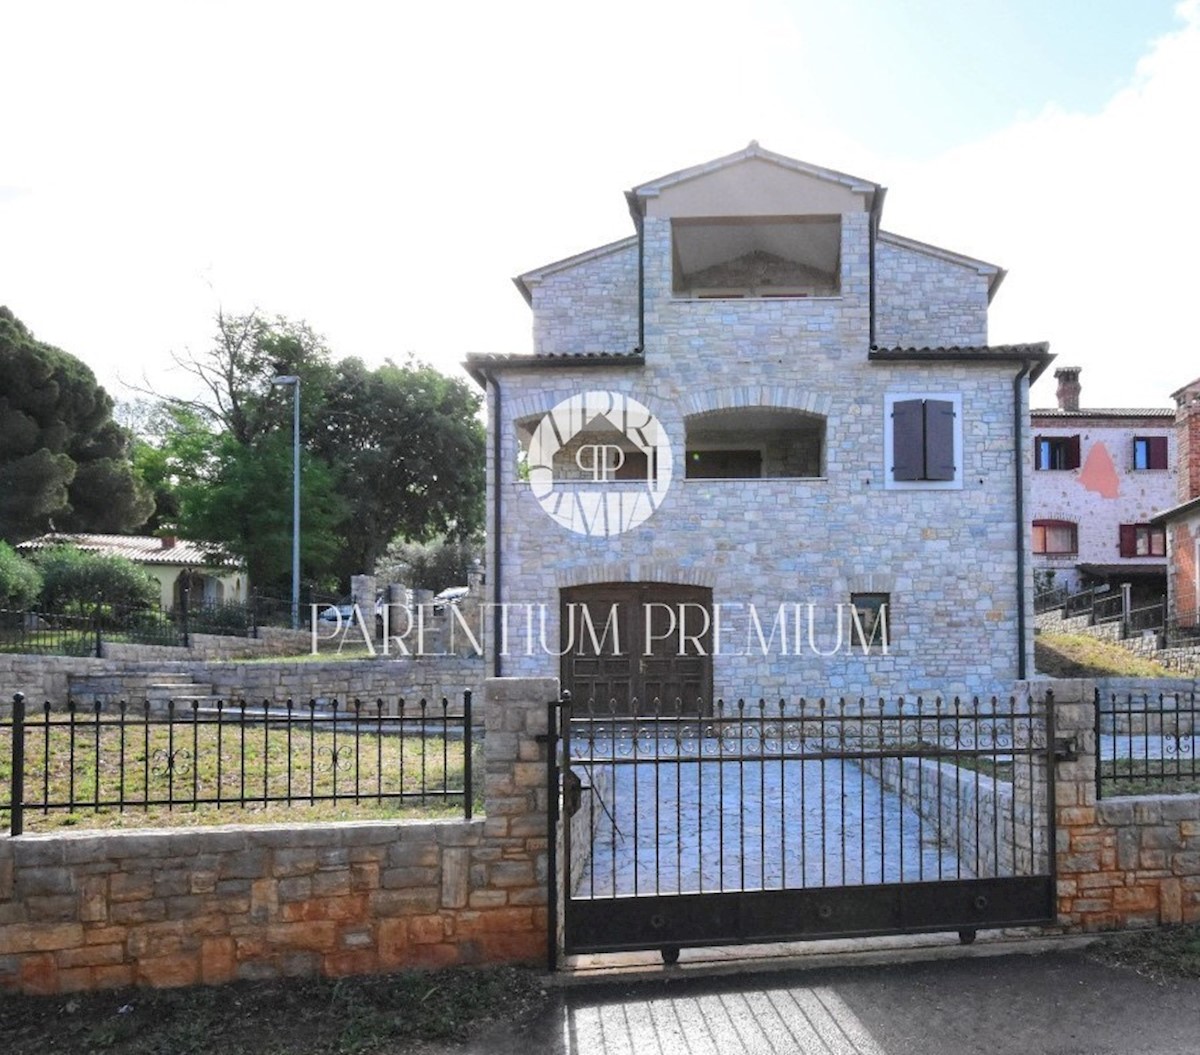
column 212, row 575
column 761, row 448
column 1099, row 476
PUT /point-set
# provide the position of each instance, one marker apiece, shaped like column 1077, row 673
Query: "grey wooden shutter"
column 908, row 440
column 939, row 439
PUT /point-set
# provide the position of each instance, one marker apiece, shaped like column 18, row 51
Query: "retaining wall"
column 174, row 907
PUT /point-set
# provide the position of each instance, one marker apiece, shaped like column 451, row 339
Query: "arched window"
column 754, row 443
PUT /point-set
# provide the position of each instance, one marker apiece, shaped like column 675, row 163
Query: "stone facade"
column 165, row 908
column 1182, row 522
column 946, row 555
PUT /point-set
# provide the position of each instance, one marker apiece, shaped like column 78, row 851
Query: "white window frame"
column 890, row 483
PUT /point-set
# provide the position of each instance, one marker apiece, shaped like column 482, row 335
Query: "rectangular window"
column 1056, row 452
column 869, row 620
column 1055, row 537
column 1143, row 540
column 1150, row 452
column 724, row 465
column 923, row 439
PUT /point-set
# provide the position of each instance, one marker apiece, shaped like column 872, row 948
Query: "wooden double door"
column 637, row 648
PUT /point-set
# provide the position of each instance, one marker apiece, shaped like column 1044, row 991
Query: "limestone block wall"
column 589, row 307
column 971, row 814
column 165, row 908
column 922, row 299
column 1122, row 862
column 55, row 678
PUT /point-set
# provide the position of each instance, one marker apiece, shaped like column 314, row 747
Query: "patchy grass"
column 1080, row 656
column 1147, row 776
column 1166, row 952
column 230, row 771
column 989, row 767
column 382, row 1014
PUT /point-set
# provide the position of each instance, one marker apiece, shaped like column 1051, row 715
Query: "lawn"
column 1080, row 656
column 102, row 772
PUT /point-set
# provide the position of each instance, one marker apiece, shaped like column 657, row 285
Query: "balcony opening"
column 749, row 443
column 768, row 256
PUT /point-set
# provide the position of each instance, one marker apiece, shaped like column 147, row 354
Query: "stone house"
column 762, row 448
column 1099, row 475
column 214, row 577
column 1181, row 522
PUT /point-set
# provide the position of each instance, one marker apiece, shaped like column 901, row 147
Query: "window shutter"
column 1072, row 453
column 1156, row 452
column 908, row 435
column 939, row 439
column 1128, row 540
column 1037, row 453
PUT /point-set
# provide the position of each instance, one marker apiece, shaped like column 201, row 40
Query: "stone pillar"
column 362, row 593
column 510, row 868
column 1187, row 441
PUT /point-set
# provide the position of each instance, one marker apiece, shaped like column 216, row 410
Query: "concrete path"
column 1055, row 1001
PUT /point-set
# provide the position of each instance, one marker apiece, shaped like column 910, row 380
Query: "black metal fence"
column 85, row 632
column 1147, row 743
column 235, row 755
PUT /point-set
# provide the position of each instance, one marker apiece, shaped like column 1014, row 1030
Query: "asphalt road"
column 1056, row 1003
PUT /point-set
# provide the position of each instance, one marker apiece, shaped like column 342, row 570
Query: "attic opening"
column 756, row 256
column 747, row 443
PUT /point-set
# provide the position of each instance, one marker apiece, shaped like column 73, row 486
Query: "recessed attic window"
column 770, row 256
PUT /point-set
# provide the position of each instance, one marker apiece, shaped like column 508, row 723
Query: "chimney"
column 1068, row 387
column 1187, row 441
column 168, row 542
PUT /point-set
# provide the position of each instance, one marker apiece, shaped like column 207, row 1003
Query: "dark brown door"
column 638, row 647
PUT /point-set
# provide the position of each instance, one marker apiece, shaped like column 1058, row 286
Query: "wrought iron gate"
column 803, row 819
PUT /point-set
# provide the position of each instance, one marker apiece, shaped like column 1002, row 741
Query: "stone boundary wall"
column 957, row 802
column 54, row 678
column 94, row 910
column 1122, row 862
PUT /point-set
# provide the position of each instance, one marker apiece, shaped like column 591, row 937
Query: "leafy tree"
column 76, row 578
column 20, row 581
column 408, row 448
column 431, row 565
column 62, row 457
column 244, row 500
column 397, row 450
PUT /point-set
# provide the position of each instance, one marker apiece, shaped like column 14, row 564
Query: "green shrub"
column 76, row 579
column 20, row 581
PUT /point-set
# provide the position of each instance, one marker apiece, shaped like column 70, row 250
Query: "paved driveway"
column 1053, row 1003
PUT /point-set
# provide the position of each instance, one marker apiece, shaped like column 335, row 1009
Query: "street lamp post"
column 294, row 381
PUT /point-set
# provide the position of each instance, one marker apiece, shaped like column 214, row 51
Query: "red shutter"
column 1128, row 540
column 908, row 440
column 1072, row 453
column 939, row 439
column 1156, row 452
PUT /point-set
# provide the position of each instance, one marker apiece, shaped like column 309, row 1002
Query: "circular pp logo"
column 599, row 463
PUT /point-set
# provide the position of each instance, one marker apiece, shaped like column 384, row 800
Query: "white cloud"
column 381, row 170
column 1092, row 215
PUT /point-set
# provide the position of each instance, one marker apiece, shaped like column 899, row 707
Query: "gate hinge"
column 1066, row 749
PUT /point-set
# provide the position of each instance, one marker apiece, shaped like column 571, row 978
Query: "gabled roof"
column 995, row 274
column 1037, row 355
column 1104, row 412
column 1192, row 505
column 538, row 273
column 141, row 549
column 480, row 364
column 752, row 152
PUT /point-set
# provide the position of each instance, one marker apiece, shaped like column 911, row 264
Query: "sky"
column 382, row 170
